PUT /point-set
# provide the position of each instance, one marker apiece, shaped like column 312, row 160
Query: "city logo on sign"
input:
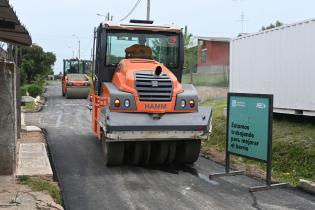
column 261, row 106
column 236, row 103
column 155, row 83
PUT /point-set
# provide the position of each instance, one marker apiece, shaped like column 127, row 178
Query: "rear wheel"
column 188, row 152
column 159, row 152
column 113, row 152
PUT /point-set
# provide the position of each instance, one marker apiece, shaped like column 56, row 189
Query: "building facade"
column 213, row 55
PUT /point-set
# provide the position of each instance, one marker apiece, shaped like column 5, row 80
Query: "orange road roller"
column 75, row 80
column 141, row 112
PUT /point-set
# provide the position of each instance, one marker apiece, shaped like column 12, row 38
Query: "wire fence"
column 207, row 76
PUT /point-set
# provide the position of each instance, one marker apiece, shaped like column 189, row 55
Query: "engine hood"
column 125, row 74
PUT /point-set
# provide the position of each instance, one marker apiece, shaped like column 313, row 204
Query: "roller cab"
column 140, row 110
column 75, row 80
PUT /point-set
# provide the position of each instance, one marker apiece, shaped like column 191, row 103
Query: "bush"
column 35, row 90
column 24, row 90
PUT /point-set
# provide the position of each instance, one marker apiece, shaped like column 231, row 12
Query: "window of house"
column 204, row 53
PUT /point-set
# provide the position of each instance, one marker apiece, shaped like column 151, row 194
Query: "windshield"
column 77, row 67
column 163, row 48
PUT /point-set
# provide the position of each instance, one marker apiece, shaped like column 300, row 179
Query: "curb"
column 306, row 185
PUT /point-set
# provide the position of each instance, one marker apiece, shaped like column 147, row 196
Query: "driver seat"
column 138, row 51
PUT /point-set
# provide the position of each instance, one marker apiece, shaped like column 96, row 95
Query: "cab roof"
column 141, row 26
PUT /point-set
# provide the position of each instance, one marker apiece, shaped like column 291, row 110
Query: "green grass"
column 293, row 144
column 37, row 184
column 205, row 80
column 29, row 107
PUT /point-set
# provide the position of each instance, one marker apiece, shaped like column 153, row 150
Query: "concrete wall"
column 7, row 118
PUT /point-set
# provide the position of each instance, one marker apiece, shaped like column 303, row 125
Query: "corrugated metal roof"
column 275, row 29
column 213, row 39
column 11, row 29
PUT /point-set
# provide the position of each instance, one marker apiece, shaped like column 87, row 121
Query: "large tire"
column 133, row 153
column 145, row 153
column 171, row 153
column 188, row 152
column 159, row 152
column 113, row 152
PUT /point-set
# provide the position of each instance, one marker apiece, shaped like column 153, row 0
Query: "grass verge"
column 29, row 107
column 37, row 184
column 293, row 144
column 206, row 80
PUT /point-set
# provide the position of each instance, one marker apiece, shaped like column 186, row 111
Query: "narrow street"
column 87, row 184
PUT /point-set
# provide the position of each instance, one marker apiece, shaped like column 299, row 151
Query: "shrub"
column 35, row 90
column 23, row 90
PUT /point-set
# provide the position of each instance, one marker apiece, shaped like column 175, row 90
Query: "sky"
column 57, row 25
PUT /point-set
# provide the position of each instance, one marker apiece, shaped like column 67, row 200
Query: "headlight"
column 183, row 103
column 127, row 103
column 192, row 103
column 117, row 103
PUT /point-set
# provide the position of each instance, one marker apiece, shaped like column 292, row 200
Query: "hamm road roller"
column 75, row 80
column 141, row 112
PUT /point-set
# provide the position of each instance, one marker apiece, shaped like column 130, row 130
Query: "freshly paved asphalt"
column 87, row 184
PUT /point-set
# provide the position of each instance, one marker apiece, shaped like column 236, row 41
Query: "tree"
column 188, row 38
column 277, row 24
column 36, row 64
column 190, row 53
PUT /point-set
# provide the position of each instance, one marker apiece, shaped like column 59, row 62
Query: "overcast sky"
column 53, row 22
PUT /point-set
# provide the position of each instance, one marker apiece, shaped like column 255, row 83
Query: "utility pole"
column 148, row 9
column 242, row 20
column 79, row 44
column 79, row 49
column 107, row 16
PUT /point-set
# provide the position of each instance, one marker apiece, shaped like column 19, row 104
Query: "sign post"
column 249, row 131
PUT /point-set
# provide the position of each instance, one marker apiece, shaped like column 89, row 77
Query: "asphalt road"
column 87, row 184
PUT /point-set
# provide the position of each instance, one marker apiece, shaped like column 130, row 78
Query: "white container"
column 279, row 61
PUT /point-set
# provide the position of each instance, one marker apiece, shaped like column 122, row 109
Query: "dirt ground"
column 219, row 157
column 32, row 137
column 205, row 93
column 14, row 196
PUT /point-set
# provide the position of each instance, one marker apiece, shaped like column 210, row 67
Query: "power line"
column 131, row 11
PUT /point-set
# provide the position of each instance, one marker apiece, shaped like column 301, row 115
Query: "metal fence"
column 208, row 76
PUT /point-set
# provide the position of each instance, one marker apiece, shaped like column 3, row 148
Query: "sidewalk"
column 32, row 161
